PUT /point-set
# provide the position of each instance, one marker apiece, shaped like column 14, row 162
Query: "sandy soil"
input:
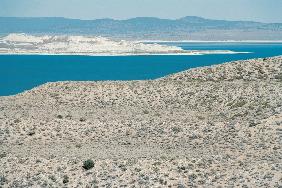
column 218, row 126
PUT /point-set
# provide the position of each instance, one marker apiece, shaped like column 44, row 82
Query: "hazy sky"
column 257, row 10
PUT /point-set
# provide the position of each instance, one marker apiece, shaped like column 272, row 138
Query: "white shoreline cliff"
column 87, row 45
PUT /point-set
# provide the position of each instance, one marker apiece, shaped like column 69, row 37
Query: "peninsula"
column 89, row 45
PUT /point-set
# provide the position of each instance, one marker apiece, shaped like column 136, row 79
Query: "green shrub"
column 145, row 111
column 239, row 104
column 82, row 119
column 176, row 130
column 88, row 164
column 2, row 155
column 59, row 116
column 3, row 180
column 65, row 179
column 279, row 76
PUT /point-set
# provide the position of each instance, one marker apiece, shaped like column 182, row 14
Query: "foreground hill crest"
column 245, row 70
column 253, row 69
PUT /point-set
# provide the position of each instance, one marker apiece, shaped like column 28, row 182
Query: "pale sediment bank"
column 210, row 41
column 90, row 46
column 131, row 54
column 205, row 127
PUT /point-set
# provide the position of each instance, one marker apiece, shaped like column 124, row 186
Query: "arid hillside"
column 205, row 127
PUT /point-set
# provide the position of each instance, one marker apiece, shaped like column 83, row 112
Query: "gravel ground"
column 218, row 126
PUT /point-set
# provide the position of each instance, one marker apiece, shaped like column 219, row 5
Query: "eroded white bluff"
column 89, row 45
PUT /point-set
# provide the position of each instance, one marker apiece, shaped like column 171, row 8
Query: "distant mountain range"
column 146, row 28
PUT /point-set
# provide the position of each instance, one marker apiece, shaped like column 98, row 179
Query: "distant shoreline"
column 203, row 41
column 141, row 54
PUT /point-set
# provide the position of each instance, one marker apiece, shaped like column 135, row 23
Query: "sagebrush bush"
column 65, row 179
column 88, row 164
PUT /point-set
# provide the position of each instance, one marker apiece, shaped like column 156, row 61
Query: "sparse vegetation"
column 176, row 130
column 59, row 116
column 145, row 111
column 2, row 155
column 88, row 164
column 82, row 119
column 30, row 132
column 279, row 77
column 65, row 179
column 239, row 104
column 53, row 178
column 3, row 180
column 17, row 121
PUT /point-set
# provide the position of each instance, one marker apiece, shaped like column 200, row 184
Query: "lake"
column 23, row 72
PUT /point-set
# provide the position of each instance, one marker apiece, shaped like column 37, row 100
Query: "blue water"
column 23, row 72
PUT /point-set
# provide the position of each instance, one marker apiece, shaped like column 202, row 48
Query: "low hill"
column 146, row 28
column 212, row 126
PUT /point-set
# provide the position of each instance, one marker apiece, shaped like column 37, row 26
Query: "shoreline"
column 204, row 41
column 141, row 54
column 118, row 81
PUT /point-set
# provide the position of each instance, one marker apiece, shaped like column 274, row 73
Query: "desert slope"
column 211, row 126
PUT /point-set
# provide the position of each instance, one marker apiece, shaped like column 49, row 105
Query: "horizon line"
column 126, row 19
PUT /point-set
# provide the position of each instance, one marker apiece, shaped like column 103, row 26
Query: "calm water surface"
column 23, row 72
